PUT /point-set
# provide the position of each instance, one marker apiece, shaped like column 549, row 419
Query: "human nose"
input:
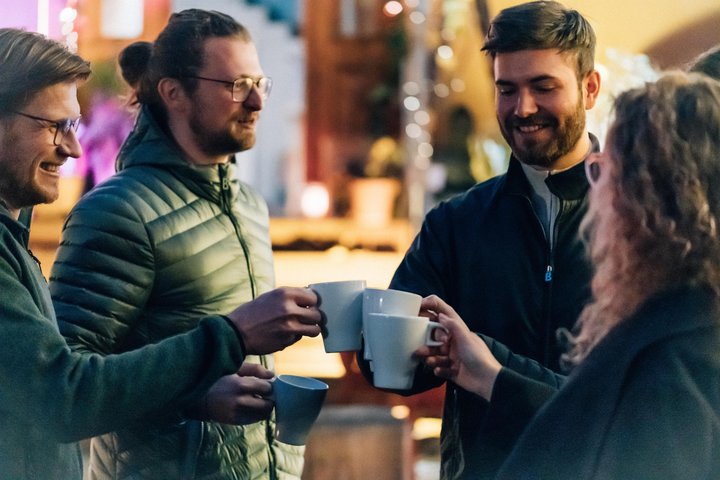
column 525, row 105
column 70, row 145
column 254, row 100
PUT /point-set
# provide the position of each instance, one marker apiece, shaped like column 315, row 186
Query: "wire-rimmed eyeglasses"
column 61, row 127
column 241, row 87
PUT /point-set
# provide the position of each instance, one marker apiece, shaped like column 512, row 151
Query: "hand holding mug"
column 465, row 359
column 239, row 399
column 277, row 319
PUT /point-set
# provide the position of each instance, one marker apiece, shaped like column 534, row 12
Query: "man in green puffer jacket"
column 174, row 235
column 51, row 396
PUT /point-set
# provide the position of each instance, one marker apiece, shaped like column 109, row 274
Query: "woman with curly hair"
column 643, row 398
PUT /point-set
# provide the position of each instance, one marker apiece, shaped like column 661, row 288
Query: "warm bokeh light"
column 445, row 52
column 426, row 428
column 417, row 17
column 411, row 103
column 400, row 412
column 315, row 200
column 392, row 8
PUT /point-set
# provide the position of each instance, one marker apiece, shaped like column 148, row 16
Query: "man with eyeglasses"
column 52, row 395
column 174, row 235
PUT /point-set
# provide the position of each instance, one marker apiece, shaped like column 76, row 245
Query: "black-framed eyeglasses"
column 61, row 127
column 241, row 87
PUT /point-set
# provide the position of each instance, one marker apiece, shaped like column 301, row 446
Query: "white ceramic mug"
column 340, row 304
column 387, row 301
column 393, row 339
column 298, row 401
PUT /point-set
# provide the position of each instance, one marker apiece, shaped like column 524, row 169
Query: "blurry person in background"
column 506, row 253
column 172, row 236
column 643, row 398
column 52, row 396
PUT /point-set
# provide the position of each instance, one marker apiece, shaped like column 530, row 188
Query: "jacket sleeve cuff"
column 514, row 402
column 237, row 333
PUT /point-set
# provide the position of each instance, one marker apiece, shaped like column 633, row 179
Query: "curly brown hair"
column 653, row 221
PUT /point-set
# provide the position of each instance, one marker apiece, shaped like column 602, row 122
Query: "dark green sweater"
column 51, row 396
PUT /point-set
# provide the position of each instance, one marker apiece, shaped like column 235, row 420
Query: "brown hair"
column 30, row 62
column 543, row 25
column 176, row 53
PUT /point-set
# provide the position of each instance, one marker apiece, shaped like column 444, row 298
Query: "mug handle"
column 432, row 326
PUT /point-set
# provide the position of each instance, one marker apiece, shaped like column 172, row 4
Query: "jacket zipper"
column 549, row 331
column 227, row 210
column 547, row 275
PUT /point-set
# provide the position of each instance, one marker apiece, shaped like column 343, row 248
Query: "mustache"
column 536, row 119
column 253, row 116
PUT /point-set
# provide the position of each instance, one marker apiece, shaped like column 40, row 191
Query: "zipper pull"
column 548, row 273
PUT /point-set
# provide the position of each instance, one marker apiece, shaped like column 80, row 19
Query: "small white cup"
column 393, row 339
column 340, row 304
column 298, row 401
column 389, row 301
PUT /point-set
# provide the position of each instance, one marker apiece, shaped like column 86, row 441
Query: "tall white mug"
column 393, row 339
column 388, row 301
column 340, row 304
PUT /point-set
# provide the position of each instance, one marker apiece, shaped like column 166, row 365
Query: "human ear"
column 172, row 94
column 591, row 89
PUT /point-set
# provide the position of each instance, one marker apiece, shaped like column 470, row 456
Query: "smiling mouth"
column 50, row 167
column 530, row 128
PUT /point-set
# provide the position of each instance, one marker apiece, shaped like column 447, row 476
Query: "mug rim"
column 308, row 383
column 392, row 291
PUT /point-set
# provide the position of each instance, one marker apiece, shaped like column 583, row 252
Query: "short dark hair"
column 543, row 25
column 31, row 62
column 177, row 53
column 708, row 63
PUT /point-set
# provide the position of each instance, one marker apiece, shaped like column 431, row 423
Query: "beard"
column 225, row 141
column 19, row 185
column 566, row 133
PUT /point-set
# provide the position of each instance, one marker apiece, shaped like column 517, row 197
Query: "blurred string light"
column 422, row 117
column 457, row 85
column 445, row 52
column 411, row 103
column 67, row 17
column 411, row 88
column 417, row 17
column 392, row 8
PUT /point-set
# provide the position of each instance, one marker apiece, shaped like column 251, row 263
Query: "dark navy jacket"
column 486, row 254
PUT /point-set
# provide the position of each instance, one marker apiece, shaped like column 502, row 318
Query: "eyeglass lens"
column 63, row 128
column 243, row 86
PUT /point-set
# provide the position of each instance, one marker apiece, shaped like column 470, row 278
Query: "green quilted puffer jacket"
column 142, row 257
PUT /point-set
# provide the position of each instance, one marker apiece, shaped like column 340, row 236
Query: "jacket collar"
column 570, row 184
column 149, row 145
column 17, row 229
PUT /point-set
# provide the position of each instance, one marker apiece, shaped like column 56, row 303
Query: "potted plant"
column 372, row 196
